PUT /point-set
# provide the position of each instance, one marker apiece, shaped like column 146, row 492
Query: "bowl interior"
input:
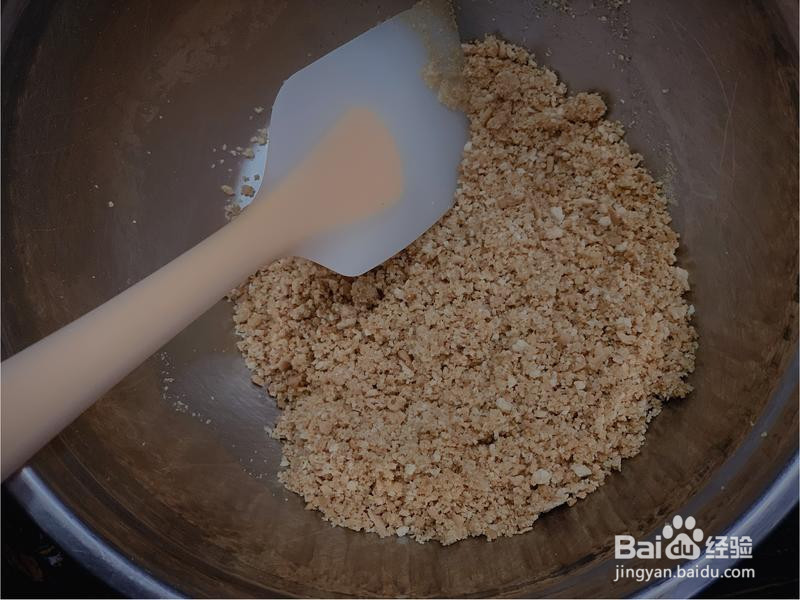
column 127, row 102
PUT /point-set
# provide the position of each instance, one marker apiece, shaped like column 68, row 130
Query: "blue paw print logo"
column 683, row 538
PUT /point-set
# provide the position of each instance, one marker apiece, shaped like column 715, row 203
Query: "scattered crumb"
column 509, row 359
column 248, row 190
column 110, row 204
column 258, row 110
column 232, row 210
column 227, row 190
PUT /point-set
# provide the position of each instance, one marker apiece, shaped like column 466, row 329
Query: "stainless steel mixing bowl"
column 168, row 484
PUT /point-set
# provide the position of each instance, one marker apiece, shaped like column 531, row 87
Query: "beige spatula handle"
column 354, row 172
column 50, row 383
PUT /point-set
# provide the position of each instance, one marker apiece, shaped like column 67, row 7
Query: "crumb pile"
column 510, row 358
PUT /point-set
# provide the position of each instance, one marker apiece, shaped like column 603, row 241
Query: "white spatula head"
column 388, row 70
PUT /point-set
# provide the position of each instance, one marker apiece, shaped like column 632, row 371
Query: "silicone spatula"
column 363, row 158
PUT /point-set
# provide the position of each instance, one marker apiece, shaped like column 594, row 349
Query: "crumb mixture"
column 509, row 359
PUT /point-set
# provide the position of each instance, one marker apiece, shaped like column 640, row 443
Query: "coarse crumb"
column 232, row 210
column 509, row 359
column 248, row 190
column 227, row 190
